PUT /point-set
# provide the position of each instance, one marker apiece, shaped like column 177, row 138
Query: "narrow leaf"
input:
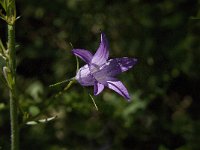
column 41, row 121
column 68, row 85
column 61, row 82
column 77, row 64
column 3, row 81
column 2, row 17
column 93, row 101
column 7, row 76
column 71, row 45
column 2, row 46
column 18, row 17
column 3, row 4
column 65, row 89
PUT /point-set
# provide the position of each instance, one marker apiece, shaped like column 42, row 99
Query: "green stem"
column 13, row 97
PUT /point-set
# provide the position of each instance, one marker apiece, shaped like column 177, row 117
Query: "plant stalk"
column 11, row 64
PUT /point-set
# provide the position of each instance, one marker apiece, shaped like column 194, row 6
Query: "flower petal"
column 110, row 68
column 84, row 76
column 101, row 56
column 98, row 88
column 118, row 87
column 126, row 63
column 113, row 67
column 85, row 55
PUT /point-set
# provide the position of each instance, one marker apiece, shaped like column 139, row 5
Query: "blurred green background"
column 164, row 85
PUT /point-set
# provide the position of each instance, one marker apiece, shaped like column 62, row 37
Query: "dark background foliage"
column 164, row 85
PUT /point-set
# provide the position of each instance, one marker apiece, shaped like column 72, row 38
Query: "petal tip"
column 135, row 59
column 85, row 55
column 103, row 34
column 95, row 94
column 73, row 51
column 128, row 99
column 103, row 38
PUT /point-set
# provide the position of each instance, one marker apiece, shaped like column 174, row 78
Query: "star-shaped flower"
column 100, row 72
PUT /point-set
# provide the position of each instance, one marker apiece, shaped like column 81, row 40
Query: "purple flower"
column 100, row 72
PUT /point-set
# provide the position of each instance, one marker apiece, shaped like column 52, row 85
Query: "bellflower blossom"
column 100, row 71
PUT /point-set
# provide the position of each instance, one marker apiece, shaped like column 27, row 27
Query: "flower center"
column 94, row 68
column 97, row 73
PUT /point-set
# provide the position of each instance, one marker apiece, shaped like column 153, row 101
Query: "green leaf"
column 41, row 121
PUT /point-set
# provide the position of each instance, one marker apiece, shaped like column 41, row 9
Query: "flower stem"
column 11, row 64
